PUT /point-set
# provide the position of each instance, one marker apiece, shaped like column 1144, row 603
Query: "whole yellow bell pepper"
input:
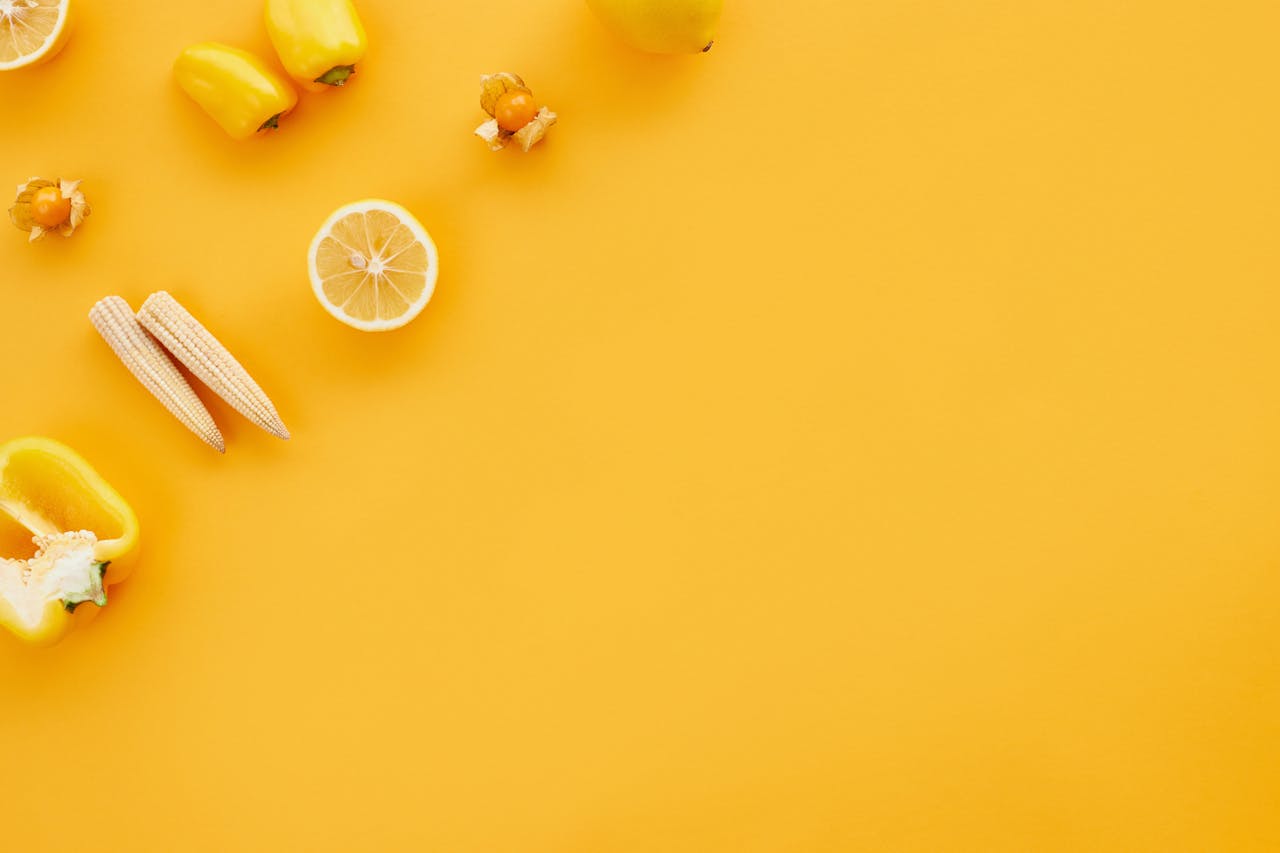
column 234, row 87
column 65, row 536
column 318, row 41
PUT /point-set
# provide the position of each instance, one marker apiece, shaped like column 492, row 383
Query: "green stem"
column 99, row 599
column 272, row 123
column 337, row 75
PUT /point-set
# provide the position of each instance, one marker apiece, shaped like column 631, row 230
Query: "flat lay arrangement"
column 373, row 266
column 617, row 426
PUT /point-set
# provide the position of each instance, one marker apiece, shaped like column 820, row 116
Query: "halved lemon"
column 373, row 265
column 31, row 31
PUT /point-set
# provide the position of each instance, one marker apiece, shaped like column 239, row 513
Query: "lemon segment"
column 31, row 31
column 373, row 266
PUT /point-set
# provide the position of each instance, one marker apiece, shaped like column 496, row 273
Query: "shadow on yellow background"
column 861, row 437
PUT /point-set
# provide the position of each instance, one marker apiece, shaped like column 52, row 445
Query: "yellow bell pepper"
column 65, row 536
column 234, row 87
column 319, row 41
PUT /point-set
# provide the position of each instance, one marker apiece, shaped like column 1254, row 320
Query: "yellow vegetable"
column 189, row 342
column 65, row 536
column 319, row 41
column 234, row 87
column 151, row 365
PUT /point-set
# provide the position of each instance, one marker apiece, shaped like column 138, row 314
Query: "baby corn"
column 193, row 345
column 115, row 321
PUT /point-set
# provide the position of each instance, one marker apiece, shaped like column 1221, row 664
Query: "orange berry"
column 514, row 110
column 49, row 208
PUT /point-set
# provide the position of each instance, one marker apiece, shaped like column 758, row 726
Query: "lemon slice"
column 31, row 31
column 373, row 266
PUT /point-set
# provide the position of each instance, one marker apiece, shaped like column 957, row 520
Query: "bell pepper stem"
column 99, row 598
column 337, row 75
column 272, row 123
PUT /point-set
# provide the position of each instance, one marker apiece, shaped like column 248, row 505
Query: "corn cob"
column 114, row 320
column 193, row 345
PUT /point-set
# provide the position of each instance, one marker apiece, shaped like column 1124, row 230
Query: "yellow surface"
column 863, row 437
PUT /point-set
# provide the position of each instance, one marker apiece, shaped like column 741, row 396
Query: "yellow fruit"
column 65, row 536
column 662, row 26
column 31, row 31
column 373, row 266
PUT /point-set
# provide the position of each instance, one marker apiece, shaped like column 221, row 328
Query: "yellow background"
column 863, row 437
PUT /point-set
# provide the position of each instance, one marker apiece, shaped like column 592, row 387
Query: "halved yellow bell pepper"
column 318, row 41
column 65, row 536
column 234, row 87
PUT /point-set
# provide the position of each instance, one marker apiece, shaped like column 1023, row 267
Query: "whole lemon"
column 662, row 26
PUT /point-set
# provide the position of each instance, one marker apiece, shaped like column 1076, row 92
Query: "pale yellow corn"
column 114, row 320
column 193, row 345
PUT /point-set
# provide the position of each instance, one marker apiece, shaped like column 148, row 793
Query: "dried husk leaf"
column 20, row 213
column 80, row 209
column 495, row 137
column 531, row 134
column 494, row 86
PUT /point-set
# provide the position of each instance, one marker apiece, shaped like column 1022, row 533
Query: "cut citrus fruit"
column 31, row 31
column 373, row 266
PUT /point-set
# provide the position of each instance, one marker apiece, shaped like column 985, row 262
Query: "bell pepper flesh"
column 234, row 87
column 80, row 537
column 319, row 41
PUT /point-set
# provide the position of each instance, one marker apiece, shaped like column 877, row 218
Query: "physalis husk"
column 493, row 87
column 24, row 217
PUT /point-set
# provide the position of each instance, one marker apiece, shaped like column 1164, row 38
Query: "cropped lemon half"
column 31, row 31
column 373, row 265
